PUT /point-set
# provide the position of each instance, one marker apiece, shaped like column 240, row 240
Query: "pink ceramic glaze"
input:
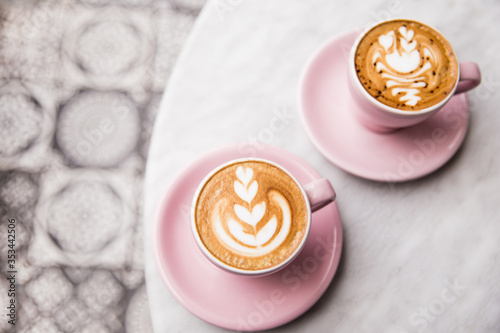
column 229, row 300
column 382, row 118
column 327, row 112
column 320, row 193
column 470, row 77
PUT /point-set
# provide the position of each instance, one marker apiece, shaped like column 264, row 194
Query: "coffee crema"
column 251, row 215
column 406, row 65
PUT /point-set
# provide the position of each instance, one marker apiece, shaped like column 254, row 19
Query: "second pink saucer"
column 229, row 300
column 402, row 155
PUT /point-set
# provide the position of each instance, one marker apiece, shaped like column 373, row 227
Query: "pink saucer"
column 232, row 301
column 402, row 155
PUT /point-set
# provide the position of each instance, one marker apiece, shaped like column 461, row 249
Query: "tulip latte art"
column 406, row 65
column 251, row 215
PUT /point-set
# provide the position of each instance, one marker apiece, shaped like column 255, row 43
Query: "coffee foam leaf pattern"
column 250, row 217
column 387, row 40
column 241, row 234
column 407, row 34
column 246, row 194
column 259, row 239
column 405, row 60
column 405, row 64
column 244, row 175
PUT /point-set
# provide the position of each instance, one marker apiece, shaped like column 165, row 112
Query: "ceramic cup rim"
column 384, row 107
column 217, row 262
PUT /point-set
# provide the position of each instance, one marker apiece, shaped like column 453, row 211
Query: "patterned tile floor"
column 80, row 84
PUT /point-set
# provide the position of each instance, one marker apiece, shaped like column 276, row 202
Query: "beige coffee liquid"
column 251, row 215
column 406, row 65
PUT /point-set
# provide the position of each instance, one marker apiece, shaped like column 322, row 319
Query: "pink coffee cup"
column 317, row 195
column 380, row 117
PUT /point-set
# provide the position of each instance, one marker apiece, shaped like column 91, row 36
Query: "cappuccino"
column 406, row 65
column 251, row 215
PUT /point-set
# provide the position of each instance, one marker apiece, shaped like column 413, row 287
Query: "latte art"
column 251, row 215
column 249, row 233
column 406, row 65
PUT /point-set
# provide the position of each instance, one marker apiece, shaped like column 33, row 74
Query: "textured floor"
column 80, row 83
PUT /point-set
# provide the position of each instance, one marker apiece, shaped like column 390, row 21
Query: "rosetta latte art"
column 406, row 65
column 241, row 234
column 251, row 215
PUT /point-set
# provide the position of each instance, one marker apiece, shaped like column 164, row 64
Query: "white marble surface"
column 403, row 244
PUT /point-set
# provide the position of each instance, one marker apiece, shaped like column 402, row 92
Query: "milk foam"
column 403, row 64
column 403, row 59
column 241, row 234
column 251, row 215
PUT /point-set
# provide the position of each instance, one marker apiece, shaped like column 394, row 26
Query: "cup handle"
column 320, row 193
column 470, row 77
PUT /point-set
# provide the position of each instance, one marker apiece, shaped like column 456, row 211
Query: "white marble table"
column 421, row 256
